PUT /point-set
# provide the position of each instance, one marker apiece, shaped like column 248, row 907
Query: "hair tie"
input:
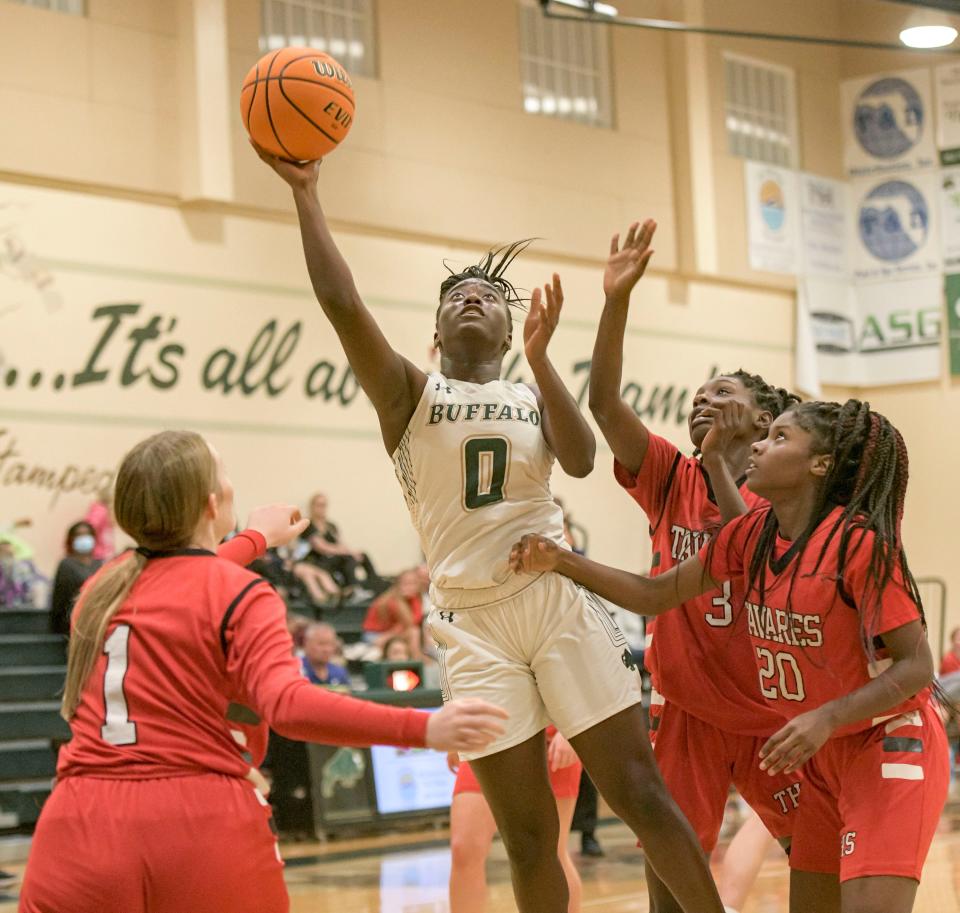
column 147, row 553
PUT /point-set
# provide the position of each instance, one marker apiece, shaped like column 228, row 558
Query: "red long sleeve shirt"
column 196, row 633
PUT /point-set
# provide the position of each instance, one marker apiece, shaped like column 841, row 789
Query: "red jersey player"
column 705, row 703
column 837, row 630
column 152, row 810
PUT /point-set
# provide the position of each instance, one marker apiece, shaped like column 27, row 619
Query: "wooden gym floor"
column 408, row 874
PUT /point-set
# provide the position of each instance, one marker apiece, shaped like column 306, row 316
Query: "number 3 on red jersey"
column 117, row 728
column 780, row 676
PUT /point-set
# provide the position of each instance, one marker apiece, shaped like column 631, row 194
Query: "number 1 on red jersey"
column 117, row 728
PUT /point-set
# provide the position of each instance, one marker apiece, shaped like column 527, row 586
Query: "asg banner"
column 773, row 217
column 894, row 232
column 888, row 124
column 873, row 335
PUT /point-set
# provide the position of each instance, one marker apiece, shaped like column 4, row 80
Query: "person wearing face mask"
column 76, row 566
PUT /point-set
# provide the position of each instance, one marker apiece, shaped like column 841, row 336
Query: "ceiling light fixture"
column 928, row 36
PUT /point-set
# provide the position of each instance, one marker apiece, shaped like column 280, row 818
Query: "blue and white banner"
column 888, row 123
column 773, row 218
column 894, row 232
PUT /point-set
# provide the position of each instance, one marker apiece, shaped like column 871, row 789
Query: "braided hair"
column 867, row 478
column 490, row 269
column 769, row 398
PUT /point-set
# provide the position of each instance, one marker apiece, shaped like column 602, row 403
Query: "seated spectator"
column 319, row 648
column 328, row 552
column 951, row 659
column 18, row 576
column 100, row 517
column 397, row 612
column 396, row 650
column 297, row 626
column 321, row 588
column 77, row 565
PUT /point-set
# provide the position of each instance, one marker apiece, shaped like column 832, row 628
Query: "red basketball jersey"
column 196, row 633
column 700, row 657
column 811, row 652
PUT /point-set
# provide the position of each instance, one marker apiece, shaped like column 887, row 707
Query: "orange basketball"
column 297, row 103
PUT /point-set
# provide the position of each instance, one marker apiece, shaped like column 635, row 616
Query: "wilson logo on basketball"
column 325, row 68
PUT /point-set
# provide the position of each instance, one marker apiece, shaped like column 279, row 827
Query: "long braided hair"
column 491, row 269
column 867, row 478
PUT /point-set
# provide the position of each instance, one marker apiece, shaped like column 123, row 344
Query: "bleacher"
column 32, row 669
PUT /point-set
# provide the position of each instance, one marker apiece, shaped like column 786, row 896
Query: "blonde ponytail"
column 94, row 610
column 162, row 489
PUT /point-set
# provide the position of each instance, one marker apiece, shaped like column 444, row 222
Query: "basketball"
column 297, row 103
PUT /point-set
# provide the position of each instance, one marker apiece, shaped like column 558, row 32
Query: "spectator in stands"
column 397, row 612
column 327, row 551
column 951, row 659
column 100, row 517
column 322, row 589
column 319, row 649
column 297, row 626
column 396, row 650
column 77, row 565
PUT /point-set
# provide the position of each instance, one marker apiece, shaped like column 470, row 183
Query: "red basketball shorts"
column 197, row 844
column 700, row 762
column 871, row 801
column 564, row 782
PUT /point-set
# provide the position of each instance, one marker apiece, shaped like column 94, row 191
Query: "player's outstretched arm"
column 912, row 670
column 259, row 655
column 634, row 592
column 564, row 427
column 620, row 425
column 392, row 383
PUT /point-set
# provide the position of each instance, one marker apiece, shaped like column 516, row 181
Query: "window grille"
column 565, row 68
column 342, row 28
column 73, row 7
column 761, row 111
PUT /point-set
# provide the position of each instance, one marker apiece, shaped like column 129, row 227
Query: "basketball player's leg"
column 516, row 786
column 565, row 807
column 618, row 757
column 743, row 860
column 482, row 653
column 471, row 832
column 700, row 790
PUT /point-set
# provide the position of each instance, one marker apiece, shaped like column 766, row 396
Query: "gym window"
column 565, row 68
column 761, row 111
column 342, row 28
column 73, row 7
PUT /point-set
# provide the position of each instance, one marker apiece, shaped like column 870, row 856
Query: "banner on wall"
column 953, row 322
column 950, row 218
column 887, row 123
column 948, row 113
column 894, row 232
column 873, row 335
column 824, row 206
column 772, row 217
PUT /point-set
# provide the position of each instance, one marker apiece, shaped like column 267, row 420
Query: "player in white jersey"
column 473, row 454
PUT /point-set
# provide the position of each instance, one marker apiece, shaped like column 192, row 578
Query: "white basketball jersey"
column 475, row 471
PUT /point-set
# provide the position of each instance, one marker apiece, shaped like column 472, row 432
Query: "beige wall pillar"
column 205, row 98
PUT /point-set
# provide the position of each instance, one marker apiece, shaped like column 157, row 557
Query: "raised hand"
column 277, row 523
column 728, row 423
column 542, row 319
column 627, row 264
column 533, row 554
column 465, row 725
column 296, row 174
